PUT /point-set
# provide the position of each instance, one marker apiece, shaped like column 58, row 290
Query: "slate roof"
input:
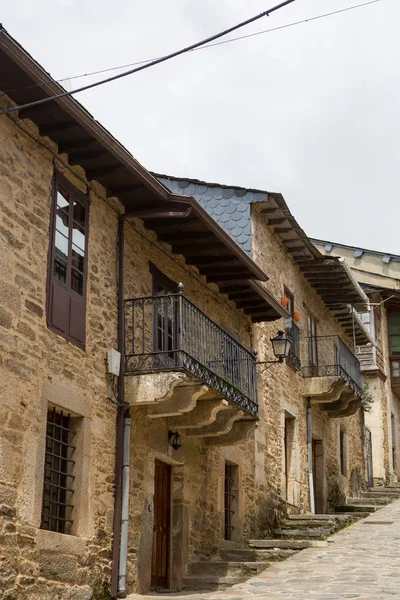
column 229, row 206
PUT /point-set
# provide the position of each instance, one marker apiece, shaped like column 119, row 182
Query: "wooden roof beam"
column 97, row 172
column 75, row 158
column 65, row 147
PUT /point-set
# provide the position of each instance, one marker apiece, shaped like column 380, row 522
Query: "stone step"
column 384, row 491
column 283, row 544
column 323, row 517
column 256, row 554
column 304, row 534
column 371, row 501
column 352, row 516
column 210, row 582
column 221, row 568
column 365, row 509
column 309, row 523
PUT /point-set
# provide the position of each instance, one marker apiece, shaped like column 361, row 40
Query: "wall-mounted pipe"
column 310, row 457
column 120, row 410
column 123, row 552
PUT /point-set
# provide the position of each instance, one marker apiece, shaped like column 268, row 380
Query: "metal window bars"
column 58, row 490
column 229, row 498
column 168, row 332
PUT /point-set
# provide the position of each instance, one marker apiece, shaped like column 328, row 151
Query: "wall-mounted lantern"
column 281, row 348
column 174, row 440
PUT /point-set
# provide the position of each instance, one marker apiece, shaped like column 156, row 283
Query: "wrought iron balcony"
column 169, row 333
column 327, row 356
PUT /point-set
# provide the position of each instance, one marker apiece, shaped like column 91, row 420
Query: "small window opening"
column 231, row 499
column 57, row 503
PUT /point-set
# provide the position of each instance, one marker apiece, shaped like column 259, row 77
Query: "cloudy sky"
column 311, row 111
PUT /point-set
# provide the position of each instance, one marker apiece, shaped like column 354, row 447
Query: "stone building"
column 379, row 275
column 138, row 431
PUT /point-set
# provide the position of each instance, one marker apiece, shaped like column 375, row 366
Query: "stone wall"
column 369, row 269
column 281, row 393
column 40, row 369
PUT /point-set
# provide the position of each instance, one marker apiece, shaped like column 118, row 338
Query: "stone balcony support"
column 189, row 405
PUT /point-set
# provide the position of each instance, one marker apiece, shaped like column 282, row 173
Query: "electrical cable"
column 157, row 61
column 235, row 39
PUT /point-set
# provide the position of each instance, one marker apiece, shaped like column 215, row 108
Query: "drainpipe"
column 310, row 461
column 125, row 508
column 120, row 410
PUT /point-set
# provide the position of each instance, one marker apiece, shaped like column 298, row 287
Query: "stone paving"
column 361, row 562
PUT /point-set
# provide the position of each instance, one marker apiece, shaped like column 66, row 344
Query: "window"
column 290, row 306
column 394, row 334
column 165, row 318
column 58, row 488
column 231, row 500
column 312, row 340
column 292, row 332
column 67, row 270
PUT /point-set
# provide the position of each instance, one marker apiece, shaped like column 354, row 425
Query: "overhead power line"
column 157, row 61
column 210, row 45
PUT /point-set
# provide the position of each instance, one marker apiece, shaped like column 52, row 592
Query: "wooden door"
column 161, row 529
column 368, row 443
column 318, row 476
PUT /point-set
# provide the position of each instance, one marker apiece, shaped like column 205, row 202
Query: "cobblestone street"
column 361, row 562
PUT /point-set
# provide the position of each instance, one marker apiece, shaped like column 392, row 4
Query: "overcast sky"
column 311, row 111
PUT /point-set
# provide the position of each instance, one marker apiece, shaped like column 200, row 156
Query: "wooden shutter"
column 67, row 269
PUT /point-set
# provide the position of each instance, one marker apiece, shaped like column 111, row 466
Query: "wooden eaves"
column 330, row 277
column 192, row 233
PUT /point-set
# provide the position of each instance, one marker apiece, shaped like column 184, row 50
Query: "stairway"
column 296, row 532
column 235, row 565
column 371, row 500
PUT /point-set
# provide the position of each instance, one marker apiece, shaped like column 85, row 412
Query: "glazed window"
column 66, row 300
column 58, row 487
column 394, row 334
column 312, row 340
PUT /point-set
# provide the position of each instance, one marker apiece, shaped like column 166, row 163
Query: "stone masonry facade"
column 39, row 369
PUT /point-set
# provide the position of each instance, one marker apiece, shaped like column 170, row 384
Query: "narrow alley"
column 361, row 562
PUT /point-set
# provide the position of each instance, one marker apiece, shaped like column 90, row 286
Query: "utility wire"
column 157, row 61
column 235, row 39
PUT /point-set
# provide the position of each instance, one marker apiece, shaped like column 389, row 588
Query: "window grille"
column 57, row 504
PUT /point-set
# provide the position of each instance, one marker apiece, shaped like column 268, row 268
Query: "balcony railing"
column 329, row 356
column 169, row 333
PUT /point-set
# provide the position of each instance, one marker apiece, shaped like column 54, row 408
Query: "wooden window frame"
column 52, row 283
column 311, row 337
column 290, row 308
column 393, row 358
column 170, row 287
column 288, row 294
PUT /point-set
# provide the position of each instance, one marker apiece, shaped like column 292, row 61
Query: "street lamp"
column 174, row 440
column 281, row 348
